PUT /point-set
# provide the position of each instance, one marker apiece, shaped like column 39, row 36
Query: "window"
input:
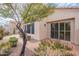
column 61, row 36
column 29, row 28
column 54, row 30
column 67, row 31
column 32, row 29
column 60, row 30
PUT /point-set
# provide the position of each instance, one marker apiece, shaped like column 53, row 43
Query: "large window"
column 60, row 30
column 29, row 28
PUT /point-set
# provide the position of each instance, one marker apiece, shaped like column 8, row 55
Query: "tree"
column 29, row 13
column 36, row 12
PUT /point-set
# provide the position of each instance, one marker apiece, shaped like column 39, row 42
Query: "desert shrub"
column 54, row 47
column 57, row 45
column 5, row 49
column 66, row 53
column 1, row 45
column 13, row 41
column 67, row 48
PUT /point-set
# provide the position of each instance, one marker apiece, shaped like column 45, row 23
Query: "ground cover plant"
column 13, row 41
column 53, row 48
column 5, row 48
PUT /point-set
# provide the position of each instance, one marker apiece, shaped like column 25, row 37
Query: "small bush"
column 1, row 45
column 5, row 49
column 13, row 41
column 1, row 36
column 57, row 45
column 67, row 48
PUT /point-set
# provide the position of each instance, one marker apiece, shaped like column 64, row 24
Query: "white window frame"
column 64, row 28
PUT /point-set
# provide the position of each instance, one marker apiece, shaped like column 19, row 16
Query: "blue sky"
column 73, row 5
column 4, row 20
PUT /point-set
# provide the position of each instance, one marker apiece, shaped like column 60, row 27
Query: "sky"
column 4, row 21
column 67, row 5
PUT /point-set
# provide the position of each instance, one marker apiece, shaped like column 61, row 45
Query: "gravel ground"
column 29, row 51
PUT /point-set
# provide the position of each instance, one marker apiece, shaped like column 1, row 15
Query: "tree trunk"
column 24, row 40
column 20, row 29
column 24, row 45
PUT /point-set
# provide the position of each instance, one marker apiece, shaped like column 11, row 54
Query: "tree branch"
column 14, row 11
column 27, row 11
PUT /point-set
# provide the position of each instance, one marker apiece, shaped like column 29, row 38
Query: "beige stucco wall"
column 12, row 27
column 77, row 30
column 39, row 30
column 42, row 31
column 36, row 31
column 60, row 14
column 63, row 14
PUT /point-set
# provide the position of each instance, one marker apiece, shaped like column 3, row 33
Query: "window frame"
column 32, row 28
column 65, row 31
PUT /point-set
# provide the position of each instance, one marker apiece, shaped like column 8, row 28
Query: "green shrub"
column 57, row 45
column 13, row 41
column 1, row 45
column 5, row 49
column 1, row 36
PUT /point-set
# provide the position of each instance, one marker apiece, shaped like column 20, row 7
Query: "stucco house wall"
column 64, row 14
column 36, row 31
column 42, row 28
column 11, row 27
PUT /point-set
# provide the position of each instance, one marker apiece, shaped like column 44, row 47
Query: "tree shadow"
column 29, row 52
column 16, row 51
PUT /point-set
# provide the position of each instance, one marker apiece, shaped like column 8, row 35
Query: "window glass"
column 67, row 36
column 30, row 28
column 61, row 26
column 67, row 26
column 61, row 30
column 56, row 26
column 52, row 34
column 52, row 27
column 52, row 30
column 61, row 35
column 56, row 35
